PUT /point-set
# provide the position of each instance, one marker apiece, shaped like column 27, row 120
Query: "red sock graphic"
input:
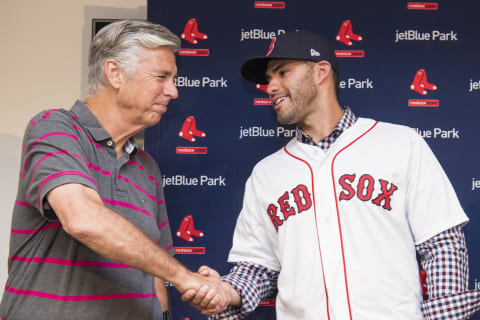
column 341, row 35
column 185, row 131
column 415, row 86
column 425, row 84
column 195, row 33
column 187, row 31
column 262, row 87
column 193, row 129
column 182, row 231
column 345, row 34
column 350, row 35
column 420, row 83
column 191, row 229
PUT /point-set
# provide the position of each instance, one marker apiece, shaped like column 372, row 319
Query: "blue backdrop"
column 234, row 127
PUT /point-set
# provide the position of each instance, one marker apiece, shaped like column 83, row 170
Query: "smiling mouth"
column 277, row 101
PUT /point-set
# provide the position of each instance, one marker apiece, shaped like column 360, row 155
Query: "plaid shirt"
column 443, row 257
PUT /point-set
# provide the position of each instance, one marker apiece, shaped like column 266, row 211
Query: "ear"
column 113, row 73
column 321, row 71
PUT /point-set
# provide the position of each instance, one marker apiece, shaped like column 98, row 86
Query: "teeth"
column 279, row 100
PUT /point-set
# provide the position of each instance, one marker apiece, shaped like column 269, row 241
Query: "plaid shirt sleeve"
column 254, row 283
column 445, row 261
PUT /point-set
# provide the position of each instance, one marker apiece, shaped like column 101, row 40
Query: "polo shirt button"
column 109, row 143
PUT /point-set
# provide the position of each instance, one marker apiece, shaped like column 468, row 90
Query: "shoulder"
column 148, row 162
column 50, row 121
column 387, row 130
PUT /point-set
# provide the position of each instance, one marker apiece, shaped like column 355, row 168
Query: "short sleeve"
column 432, row 204
column 254, row 238
column 52, row 156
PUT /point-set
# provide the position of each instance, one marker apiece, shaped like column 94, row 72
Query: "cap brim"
column 254, row 69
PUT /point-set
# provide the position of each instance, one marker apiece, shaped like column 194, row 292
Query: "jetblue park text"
column 181, row 180
column 435, row 35
column 259, row 34
column 262, row 132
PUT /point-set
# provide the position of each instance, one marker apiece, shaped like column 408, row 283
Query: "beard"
column 300, row 95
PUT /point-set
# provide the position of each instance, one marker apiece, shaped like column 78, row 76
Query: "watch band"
column 167, row 315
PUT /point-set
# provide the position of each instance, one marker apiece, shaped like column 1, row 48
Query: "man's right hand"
column 209, row 300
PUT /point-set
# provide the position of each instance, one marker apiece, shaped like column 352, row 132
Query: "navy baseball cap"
column 296, row 45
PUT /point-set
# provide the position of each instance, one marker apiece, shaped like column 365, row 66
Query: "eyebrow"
column 278, row 66
column 275, row 69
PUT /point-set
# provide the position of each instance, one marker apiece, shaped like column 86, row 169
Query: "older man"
column 90, row 234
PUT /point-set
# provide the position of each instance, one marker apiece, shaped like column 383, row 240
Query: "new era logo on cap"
column 314, row 53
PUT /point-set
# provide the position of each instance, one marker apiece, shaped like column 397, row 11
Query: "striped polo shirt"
column 51, row 274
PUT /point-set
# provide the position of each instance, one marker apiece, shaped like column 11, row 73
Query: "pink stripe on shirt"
column 55, row 225
column 48, row 113
column 135, row 163
column 46, row 136
column 59, row 174
column 48, row 155
column 77, row 263
column 152, row 197
column 163, row 225
column 80, row 298
column 128, row 205
column 21, row 203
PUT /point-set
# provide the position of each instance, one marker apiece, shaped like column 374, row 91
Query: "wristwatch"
column 167, row 315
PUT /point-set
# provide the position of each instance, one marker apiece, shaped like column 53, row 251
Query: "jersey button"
column 109, row 143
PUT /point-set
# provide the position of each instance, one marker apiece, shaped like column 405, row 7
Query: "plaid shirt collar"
column 348, row 119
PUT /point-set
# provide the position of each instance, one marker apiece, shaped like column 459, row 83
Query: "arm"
column 83, row 215
column 445, row 260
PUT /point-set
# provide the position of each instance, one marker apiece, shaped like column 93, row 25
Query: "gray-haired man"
column 90, row 234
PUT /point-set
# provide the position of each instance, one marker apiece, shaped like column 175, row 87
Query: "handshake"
column 212, row 295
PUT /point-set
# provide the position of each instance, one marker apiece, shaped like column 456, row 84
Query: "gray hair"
column 125, row 41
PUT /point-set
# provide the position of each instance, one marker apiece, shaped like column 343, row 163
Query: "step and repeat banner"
column 411, row 63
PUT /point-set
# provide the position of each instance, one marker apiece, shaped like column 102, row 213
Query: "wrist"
column 235, row 298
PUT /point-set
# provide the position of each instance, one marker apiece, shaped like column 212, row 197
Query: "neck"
column 323, row 120
column 107, row 112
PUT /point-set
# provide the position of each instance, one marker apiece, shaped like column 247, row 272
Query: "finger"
column 204, row 271
column 210, row 299
column 209, row 311
column 202, row 292
column 188, row 295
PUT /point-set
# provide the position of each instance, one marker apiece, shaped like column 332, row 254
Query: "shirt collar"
column 347, row 120
column 88, row 120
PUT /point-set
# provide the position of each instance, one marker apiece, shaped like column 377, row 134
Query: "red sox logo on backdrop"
column 346, row 36
column 189, row 132
column 299, row 199
column 421, row 85
column 192, row 35
column 187, row 230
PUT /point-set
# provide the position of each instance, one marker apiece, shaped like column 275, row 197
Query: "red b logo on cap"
column 272, row 45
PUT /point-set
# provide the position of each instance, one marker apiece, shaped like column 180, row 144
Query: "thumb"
column 204, row 271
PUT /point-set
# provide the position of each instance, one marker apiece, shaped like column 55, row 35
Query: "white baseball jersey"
column 341, row 226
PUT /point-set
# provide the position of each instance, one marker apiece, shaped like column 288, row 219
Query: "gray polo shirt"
column 54, row 276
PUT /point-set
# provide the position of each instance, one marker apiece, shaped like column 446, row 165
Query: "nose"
column 171, row 90
column 272, row 86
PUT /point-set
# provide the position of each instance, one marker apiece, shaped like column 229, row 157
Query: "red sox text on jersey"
column 363, row 189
